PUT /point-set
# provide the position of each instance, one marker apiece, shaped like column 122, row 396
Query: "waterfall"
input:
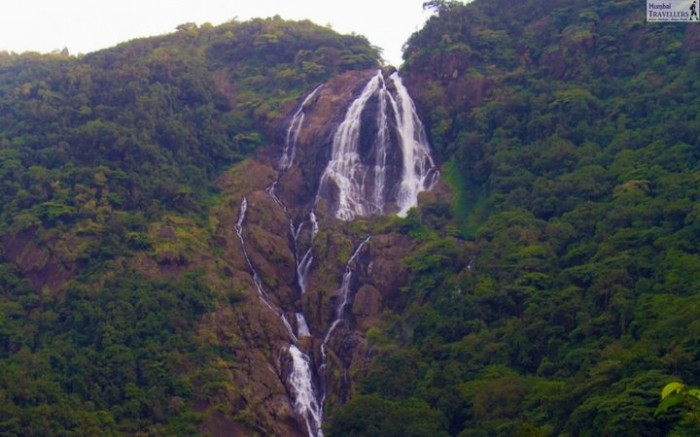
column 302, row 326
column 344, row 294
column 345, row 169
column 256, row 278
column 382, row 142
column 419, row 173
column 301, row 378
column 292, row 138
column 304, row 264
column 380, row 161
column 306, row 397
column 368, row 174
column 305, row 402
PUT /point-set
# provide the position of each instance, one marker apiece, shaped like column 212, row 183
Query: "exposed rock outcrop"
column 278, row 229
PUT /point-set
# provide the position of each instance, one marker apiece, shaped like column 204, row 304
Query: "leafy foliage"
column 154, row 117
column 677, row 394
column 555, row 296
column 106, row 165
column 569, row 295
column 112, row 361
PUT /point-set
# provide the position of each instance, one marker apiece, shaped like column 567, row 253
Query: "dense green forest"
column 555, row 290
column 560, row 291
column 99, row 156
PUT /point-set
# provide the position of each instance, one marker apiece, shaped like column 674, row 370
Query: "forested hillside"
column 548, row 286
column 560, row 291
column 107, row 163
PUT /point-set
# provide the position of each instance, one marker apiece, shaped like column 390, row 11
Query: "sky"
column 83, row 26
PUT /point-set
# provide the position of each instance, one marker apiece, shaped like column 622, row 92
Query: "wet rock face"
column 259, row 255
column 299, row 184
column 379, row 275
column 256, row 397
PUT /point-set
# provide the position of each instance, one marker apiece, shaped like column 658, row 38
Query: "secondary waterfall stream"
column 292, row 138
column 380, row 172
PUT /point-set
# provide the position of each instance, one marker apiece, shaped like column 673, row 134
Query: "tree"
column 440, row 6
column 677, row 395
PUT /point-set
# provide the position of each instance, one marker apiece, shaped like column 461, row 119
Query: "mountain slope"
column 119, row 314
column 549, row 288
column 570, row 135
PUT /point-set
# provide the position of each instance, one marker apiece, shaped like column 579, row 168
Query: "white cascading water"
column 419, row 173
column 363, row 188
column 360, row 182
column 290, row 144
column 302, row 326
column 304, row 264
column 256, row 278
column 343, row 294
column 382, row 150
column 306, row 400
column 301, row 379
column 345, row 168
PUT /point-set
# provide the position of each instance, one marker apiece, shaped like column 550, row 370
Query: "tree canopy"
column 558, row 293
column 107, row 162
